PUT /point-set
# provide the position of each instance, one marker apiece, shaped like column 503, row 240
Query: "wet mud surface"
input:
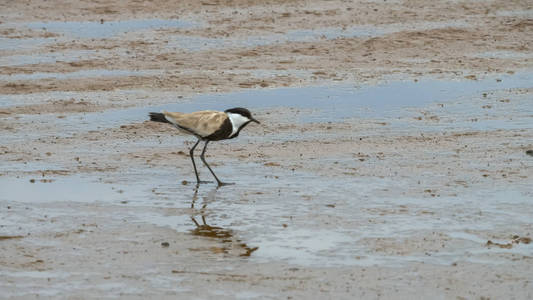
column 393, row 157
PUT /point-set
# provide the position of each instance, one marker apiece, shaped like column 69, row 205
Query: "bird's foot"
column 220, row 183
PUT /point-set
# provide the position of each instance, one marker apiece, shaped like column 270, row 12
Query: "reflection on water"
column 229, row 242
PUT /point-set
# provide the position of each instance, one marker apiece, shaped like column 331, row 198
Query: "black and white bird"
column 207, row 125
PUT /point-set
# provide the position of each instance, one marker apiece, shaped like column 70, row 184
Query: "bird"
column 207, row 126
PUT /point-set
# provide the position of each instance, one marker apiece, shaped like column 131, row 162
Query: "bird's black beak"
column 254, row 120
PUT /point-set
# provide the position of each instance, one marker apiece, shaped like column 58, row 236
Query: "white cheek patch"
column 236, row 121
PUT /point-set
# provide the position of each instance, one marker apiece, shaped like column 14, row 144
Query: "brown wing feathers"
column 212, row 125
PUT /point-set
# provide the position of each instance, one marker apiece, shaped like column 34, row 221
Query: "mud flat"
column 393, row 160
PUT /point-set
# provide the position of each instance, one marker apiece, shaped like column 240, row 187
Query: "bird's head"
column 240, row 116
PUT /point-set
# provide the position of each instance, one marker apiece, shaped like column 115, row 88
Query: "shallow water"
column 65, row 189
column 107, row 29
column 49, row 58
column 23, row 44
column 78, row 74
column 516, row 13
column 328, row 103
column 300, row 218
column 7, row 100
column 196, row 43
column 504, row 54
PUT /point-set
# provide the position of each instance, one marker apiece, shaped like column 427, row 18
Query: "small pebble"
column 165, row 244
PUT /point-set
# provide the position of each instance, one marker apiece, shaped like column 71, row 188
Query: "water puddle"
column 365, row 30
column 107, row 29
column 399, row 102
column 320, row 225
column 302, row 218
column 305, row 247
column 79, row 74
column 505, row 54
column 23, row 44
column 50, row 58
column 195, row 43
column 299, row 218
column 7, row 100
column 515, row 13
column 52, row 284
column 330, row 103
column 64, row 189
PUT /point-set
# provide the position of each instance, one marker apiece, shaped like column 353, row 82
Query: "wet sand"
column 391, row 161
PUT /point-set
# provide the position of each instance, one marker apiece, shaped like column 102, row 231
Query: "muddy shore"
column 391, row 161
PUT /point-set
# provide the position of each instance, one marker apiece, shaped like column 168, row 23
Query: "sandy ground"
column 422, row 192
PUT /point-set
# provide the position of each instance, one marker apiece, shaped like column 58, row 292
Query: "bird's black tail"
column 158, row 117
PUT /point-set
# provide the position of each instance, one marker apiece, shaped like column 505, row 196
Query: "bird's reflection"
column 229, row 243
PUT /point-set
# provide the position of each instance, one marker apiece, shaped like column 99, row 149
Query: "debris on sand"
column 10, row 237
column 524, row 240
column 503, row 246
column 271, row 164
column 516, row 240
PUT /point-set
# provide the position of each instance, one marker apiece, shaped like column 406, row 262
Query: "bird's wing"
column 202, row 123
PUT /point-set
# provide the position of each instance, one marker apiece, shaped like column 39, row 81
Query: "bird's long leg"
column 220, row 183
column 202, row 156
column 191, row 153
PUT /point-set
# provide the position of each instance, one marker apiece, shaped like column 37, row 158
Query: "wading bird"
column 207, row 125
